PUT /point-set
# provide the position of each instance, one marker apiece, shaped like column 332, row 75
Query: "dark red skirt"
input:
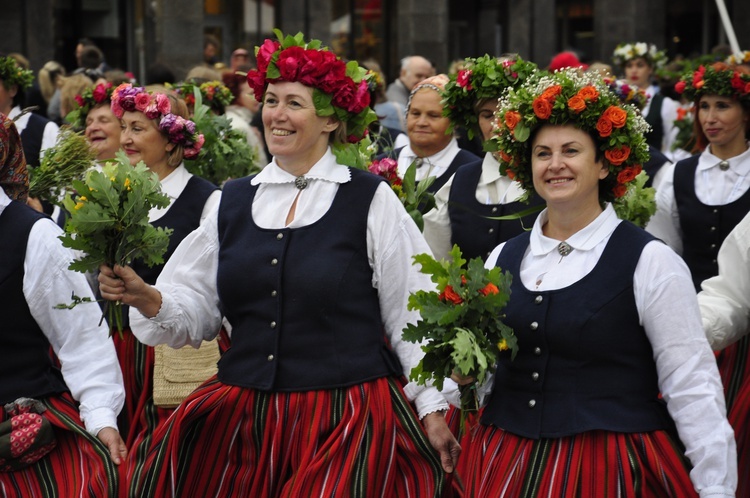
column 597, row 464
column 229, row 441
column 735, row 375
column 79, row 466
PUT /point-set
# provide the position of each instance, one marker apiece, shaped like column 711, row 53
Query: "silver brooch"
column 300, row 182
column 564, row 248
column 724, row 165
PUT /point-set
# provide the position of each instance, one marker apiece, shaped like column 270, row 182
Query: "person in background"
column 638, row 63
column 159, row 73
column 58, row 429
column 239, row 59
column 414, row 69
column 300, row 406
column 390, row 114
column 37, row 133
column 93, row 114
column 211, row 50
column 242, row 109
column 50, row 79
column 430, row 142
column 72, row 86
column 477, row 192
column 565, row 60
column 614, row 390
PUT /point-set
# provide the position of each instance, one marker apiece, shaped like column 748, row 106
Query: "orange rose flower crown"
column 570, row 96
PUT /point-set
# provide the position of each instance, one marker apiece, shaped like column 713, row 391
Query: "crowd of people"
column 294, row 282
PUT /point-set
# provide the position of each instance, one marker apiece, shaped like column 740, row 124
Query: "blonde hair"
column 72, row 86
column 51, row 77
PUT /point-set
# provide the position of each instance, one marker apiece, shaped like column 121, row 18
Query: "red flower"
column 463, row 79
column 604, row 126
column 619, row 191
column 542, row 108
column 589, row 93
column 679, row 87
column 100, row 92
column 617, row 156
column 290, row 61
column 257, row 81
column 265, row 52
column 450, row 295
column 361, row 98
column 512, row 118
column 628, row 174
column 79, row 100
column 617, row 115
column 577, row 104
column 490, row 288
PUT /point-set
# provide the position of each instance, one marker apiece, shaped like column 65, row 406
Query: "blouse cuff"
column 716, row 492
column 98, row 418
column 429, row 401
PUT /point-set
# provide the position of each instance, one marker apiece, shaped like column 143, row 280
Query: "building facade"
column 137, row 33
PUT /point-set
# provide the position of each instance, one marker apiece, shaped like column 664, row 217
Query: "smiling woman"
column 296, row 258
column 609, row 357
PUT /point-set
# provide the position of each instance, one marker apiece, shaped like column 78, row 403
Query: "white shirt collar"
column 738, row 164
column 442, row 159
column 583, row 240
column 174, row 183
column 326, row 169
column 490, row 170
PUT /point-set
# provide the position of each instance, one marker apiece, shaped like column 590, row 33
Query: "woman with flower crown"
column 477, row 192
column 637, row 62
column 94, row 115
column 614, row 391
column 311, row 263
column 155, row 130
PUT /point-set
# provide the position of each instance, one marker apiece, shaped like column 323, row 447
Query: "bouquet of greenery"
column 109, row 222
column 225, row 153
column 461, row 324
column 638, row 204
column 62, row 163
column 415, row 197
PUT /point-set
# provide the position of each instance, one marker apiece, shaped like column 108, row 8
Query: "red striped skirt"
column 139, row 416
column 79, row 466
column 594, row 464
column 228, row 441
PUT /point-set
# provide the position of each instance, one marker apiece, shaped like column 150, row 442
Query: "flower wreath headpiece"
column 571, row 97
column 180, row 131
column 88, row 99
column 339, row 88
column 485, row 77
column 13, row 74
column 215, row 94
column 627, row 51
column 739, row 58
column 718, row 78
column 627, row 93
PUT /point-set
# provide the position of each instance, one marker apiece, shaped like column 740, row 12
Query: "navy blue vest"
column 704, row 228
column 471, row 225
column 26, row 367
column 463, row 157
column 655, row 136
column 303, row 310
column 183, row 216
column 654, row 164
column 31, row 138
column 584, row 362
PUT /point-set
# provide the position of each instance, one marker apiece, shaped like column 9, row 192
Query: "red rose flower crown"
column 570, row 96
column 339, row 88
column 718, row 78
column 87, row 100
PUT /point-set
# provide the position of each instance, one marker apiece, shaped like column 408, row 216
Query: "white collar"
column 739, row 164
column 326, row 169
column 583, row 240
column 442, row 158
column 490, row 170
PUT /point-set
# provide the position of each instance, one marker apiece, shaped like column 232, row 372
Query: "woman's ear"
column 331, row 124
column 604, row 171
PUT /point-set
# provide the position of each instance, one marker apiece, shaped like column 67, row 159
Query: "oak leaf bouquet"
column 109, row 223
column 461, row 324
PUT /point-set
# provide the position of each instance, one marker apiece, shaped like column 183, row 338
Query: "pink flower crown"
column 339, row 88
column 180, row 131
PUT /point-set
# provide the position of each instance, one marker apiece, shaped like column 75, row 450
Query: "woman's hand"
column 111, row 438
column 461, row 380
column 122, row 283
column 442, row 440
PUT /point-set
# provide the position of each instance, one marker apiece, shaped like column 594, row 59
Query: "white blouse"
column 713, row 187
column 190, row 306
column 87, row 355
column 668, row 310
column 434, row 165
column 493, row 188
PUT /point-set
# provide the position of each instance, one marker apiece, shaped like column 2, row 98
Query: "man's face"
column 418, row 69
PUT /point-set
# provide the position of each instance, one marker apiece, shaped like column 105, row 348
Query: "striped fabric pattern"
column 80, row 465
column 227, row 441
column 592, row 464
column 735, row 376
